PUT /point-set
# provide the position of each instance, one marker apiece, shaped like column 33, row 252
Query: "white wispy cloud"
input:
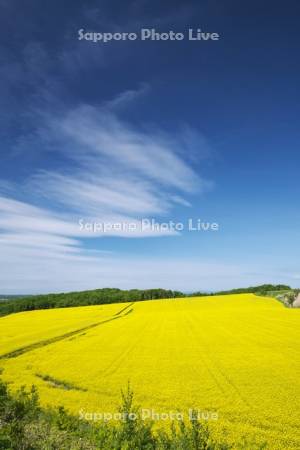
column 23, row 218
column 115, row 170
column 105, row 140
column 116, row 173
column 34, row 240
column 125, row 98
column 91, row 194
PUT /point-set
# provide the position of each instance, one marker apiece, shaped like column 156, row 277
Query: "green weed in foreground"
column 24, row 425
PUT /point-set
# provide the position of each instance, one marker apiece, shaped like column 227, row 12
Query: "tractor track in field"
column 36, row 345
column 204, row 362
column 216, row 366
column 117, row 362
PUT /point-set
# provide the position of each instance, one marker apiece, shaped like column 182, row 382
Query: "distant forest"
column 113, row 295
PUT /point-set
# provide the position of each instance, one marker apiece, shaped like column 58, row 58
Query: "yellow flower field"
column 25, row 328
column 237, row 356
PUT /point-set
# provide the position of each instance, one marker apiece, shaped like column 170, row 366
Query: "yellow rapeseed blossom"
column 234, row 355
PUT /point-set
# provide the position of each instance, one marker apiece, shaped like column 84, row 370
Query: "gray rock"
column 296, row 303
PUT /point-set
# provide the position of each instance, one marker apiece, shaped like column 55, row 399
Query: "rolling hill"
column 212, row 354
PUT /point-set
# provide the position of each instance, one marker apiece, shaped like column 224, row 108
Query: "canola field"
column 234, row 355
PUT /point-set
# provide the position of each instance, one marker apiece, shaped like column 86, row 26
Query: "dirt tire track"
column 28, row 348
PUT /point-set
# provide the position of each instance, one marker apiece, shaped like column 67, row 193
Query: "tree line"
column 113, row 295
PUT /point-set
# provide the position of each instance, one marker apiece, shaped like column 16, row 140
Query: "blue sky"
column 169, row 130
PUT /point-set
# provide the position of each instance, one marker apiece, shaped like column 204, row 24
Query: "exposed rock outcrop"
column 296, row 303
